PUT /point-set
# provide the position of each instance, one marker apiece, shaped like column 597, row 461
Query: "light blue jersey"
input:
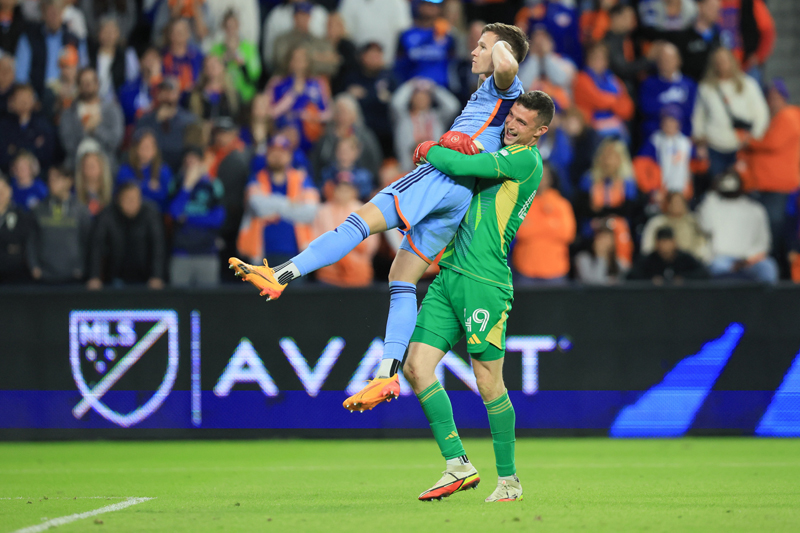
column 427, row 204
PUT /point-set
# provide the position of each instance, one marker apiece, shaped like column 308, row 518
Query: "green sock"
column 436, row 405
column 501, row 421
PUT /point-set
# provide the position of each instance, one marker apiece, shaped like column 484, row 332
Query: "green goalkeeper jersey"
column 501, row 200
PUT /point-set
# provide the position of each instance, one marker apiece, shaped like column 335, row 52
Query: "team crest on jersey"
column 504, row 152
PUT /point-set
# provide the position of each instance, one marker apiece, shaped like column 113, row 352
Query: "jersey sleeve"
column 515, row 163
column 512, row 92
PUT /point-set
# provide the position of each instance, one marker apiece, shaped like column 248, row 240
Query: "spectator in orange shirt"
column 771, row 166
column 354, row 269
column 541, row 252
column 601, row 96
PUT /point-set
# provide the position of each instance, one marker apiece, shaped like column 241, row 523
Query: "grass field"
column 371, row 486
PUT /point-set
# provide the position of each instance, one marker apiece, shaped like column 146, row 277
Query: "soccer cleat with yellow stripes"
column 456, row 478
column 262, row 277
column 377, row 390
column 508, row 490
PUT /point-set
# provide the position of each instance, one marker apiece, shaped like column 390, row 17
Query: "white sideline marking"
column 73, row 498
column 60, row 521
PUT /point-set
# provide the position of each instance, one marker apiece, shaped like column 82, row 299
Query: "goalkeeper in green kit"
column 472, row 294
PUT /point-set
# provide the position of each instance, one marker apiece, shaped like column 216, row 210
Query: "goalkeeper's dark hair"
column 540, row 102
column 513, row 36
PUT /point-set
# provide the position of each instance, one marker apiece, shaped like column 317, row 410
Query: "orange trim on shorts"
column 489, row 120
column 416, row 250
column 400, row 213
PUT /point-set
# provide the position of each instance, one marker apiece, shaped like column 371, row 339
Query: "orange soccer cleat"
column 262, row 277
column 455, row 479
column 377, row 390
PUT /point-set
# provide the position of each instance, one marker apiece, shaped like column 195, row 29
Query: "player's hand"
column 460, row 142
column 421, row 152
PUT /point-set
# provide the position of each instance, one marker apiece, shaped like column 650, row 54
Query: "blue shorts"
column 427, row 206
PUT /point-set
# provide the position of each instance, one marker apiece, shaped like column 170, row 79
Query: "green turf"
column 371, row 486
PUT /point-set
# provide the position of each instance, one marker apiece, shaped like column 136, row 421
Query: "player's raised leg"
column 489, row 376
column 459, row 473
column 406, row 271
column 325, row 250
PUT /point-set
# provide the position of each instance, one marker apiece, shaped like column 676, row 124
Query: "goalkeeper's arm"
column 484, row 165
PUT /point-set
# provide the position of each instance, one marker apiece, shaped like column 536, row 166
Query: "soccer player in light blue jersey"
column 426, row 205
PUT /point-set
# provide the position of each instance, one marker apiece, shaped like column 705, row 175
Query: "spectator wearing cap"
column 127, row 246
column 281, row 202
column 677, row 216
column 281, row 20
column 748, row 29
column 214, row 95
column 541, row 253
column 602, row 96
column 381, row 22
column 345, row 170
column 198, row 214
column 90, row 117
column 93, row 183
column 39, row 47
column 169, row 122
column 147, row 169
column 738, row 227
column 663, row 163
column 666, row 88
column 60, row 237
column 729, row 112
column 421, row 111
column 321, row 53
column 138, row 96
column 427, row 49
column 545, row 70
column 15, row 230
column 25, row 129
column 115, row 63
column 98, row 11
column 354, row 269
column 240, row 57
column 61, row 93
column 697, row 42
column 372, row 85
column 29, row 190
column 182, row 59
column 667, row 15
column 561, row 20
column 667, row 264
column 12, row 25
column 771, row 167
column 228, row 163
column 6, row 82
column 300, row 99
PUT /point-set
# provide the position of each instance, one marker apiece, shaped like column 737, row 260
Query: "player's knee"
column 490, row 387
column 410, row 371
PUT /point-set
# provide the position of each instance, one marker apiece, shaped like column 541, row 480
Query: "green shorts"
column 458, row 306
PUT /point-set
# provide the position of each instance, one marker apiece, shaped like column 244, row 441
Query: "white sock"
column 512, row 477
column 457, row 461
column 286, row 272
column 387, row 368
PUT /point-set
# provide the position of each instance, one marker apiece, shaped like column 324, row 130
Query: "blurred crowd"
column 146, row 141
